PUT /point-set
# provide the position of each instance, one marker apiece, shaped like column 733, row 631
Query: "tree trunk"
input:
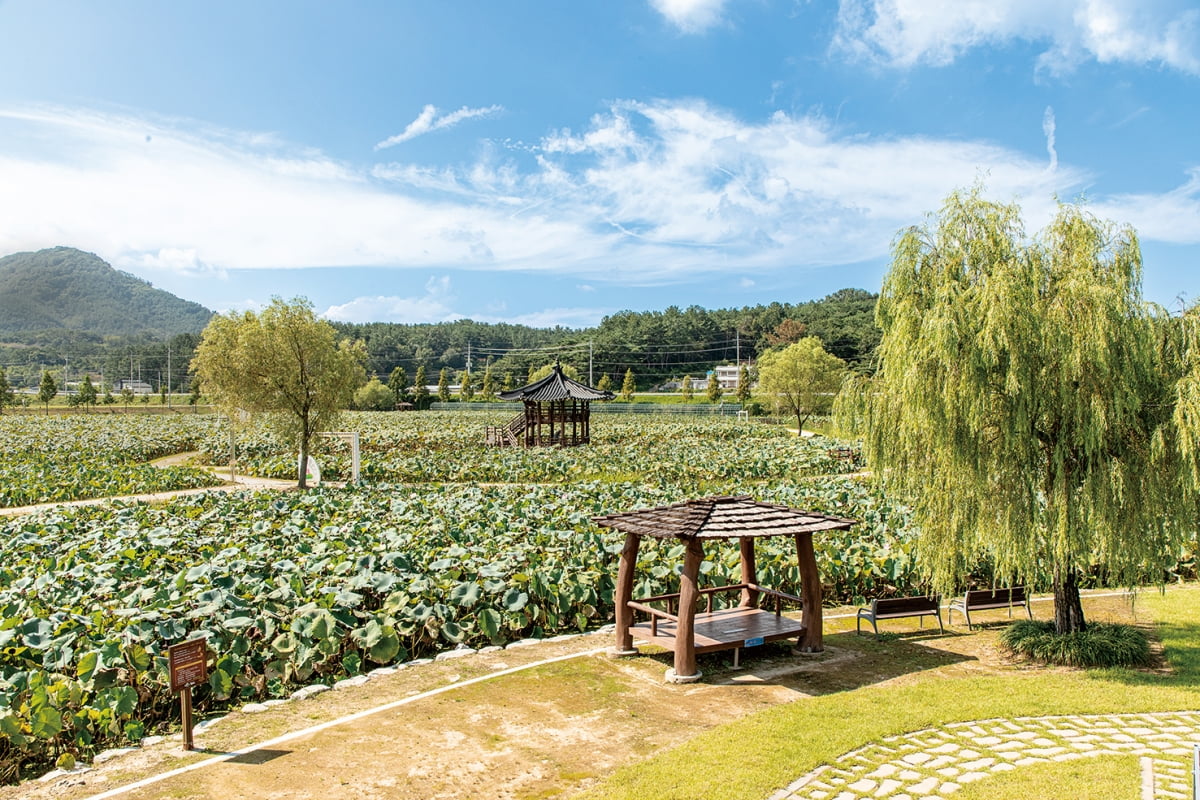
column 1068, row 608
column 303, row 461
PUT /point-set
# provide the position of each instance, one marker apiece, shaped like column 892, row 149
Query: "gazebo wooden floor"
column 725, row 629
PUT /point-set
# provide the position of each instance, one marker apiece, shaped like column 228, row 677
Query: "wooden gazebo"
column 557, row 412
column 687, row 632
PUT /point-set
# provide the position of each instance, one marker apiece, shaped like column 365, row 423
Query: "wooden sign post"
column 188, row 666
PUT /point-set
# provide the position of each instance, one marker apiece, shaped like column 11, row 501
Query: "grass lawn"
column 758, row 754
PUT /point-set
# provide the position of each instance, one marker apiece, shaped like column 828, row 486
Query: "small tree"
column 398, row 383
column 801, row 380
column 507, row 385
column 628, row 386
column 162, row 394
column 47, row 390
column 488, row 389
column 713, row 391
column 743, row 387
column 444, row 385
column 284, row 362
column 605, row 384
column 374, row 396
column 87, row 393
column 6, row 392
column 685, row 387
column 107, row 395
column 421, row 389
column 545, row 370
column 466, row 386
column 126, row 397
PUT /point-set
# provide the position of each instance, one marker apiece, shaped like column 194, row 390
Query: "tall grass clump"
column 1099, row 645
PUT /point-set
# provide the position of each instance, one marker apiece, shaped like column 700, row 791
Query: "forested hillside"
column 67, row 289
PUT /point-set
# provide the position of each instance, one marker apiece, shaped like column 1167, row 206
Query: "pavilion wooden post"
column 685, row 631
column 624, row 593
column 749, row 596
column 810, row 592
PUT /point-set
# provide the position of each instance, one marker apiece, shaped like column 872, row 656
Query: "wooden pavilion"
column 557, row 412
column 683, row 630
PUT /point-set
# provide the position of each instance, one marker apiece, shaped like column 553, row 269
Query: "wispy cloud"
column 691, row 16
column 428, row 121
column 645, row 193
column 904, row 33
column 1049, row 126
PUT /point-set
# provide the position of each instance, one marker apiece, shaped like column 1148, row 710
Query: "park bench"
column 896, row 607
column 986, row 599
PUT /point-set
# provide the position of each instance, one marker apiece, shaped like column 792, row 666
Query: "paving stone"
column 948, row 747
column 1025, row 762
column 909, row 775
column 987, row 741
column 926, row 786
column 916, row 758
column 939, row 762
column 978, row 763
column 357, row 680
column 887, row 787
column 949, row 772
column 862, row 786
column 884, row 771
column 950, row 787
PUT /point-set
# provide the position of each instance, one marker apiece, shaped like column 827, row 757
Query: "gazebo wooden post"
column 749, row 596
column 810, row 592
column 624, row 593
column 685, row 631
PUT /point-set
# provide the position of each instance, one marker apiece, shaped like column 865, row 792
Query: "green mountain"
column 67, row 289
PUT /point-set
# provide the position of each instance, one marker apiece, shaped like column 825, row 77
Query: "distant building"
column 727, row 375
column 137, row 387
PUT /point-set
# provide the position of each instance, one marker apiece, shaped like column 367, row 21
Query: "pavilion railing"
column 672, row 600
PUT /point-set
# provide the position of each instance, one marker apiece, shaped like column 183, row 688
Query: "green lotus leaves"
column 466, row 594
column 514, row 600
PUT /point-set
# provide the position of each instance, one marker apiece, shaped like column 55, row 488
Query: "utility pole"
column 468, row 356
column 737, row 338
column 590, row 381
column 168, row 374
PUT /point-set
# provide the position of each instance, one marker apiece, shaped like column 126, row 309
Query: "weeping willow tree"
column 1023, row 400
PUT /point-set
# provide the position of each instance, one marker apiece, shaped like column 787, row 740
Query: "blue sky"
column 553, row 162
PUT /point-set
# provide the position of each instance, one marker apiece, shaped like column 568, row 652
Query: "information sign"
column 188, row 664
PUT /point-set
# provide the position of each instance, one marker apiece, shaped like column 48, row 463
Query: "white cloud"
column 428, row 121
column 904, row 33
column 1172, row 217
column 746, row 283
column 690, row 16
column 647, row 193
column 433, row 306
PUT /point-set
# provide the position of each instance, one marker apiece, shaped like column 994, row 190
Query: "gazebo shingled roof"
column 721, row 518
column 687, row 632
column 556, row 386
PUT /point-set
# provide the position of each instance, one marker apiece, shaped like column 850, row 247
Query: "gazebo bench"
column 987, row 599
column 897, row 607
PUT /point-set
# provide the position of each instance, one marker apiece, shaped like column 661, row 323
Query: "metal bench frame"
column 920, row 606
column 987, row 599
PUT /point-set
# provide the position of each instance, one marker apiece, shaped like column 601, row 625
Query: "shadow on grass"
column 1177, row 663
column 849, row 662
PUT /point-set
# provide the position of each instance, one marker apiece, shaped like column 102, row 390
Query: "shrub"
column 1099, row 645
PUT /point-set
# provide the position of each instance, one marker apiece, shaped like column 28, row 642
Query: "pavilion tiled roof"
column 556, row 386
column 721, row 518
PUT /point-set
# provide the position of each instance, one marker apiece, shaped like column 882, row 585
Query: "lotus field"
column 443, row 542
column 52, row 459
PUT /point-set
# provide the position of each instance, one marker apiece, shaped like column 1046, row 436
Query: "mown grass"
column 755, row 756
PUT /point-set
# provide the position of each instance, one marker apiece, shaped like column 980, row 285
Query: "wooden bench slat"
column 897, row 607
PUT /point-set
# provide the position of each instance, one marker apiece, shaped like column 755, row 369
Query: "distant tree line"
column 655, row 345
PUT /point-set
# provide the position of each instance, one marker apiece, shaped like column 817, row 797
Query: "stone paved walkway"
column 934, row 763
